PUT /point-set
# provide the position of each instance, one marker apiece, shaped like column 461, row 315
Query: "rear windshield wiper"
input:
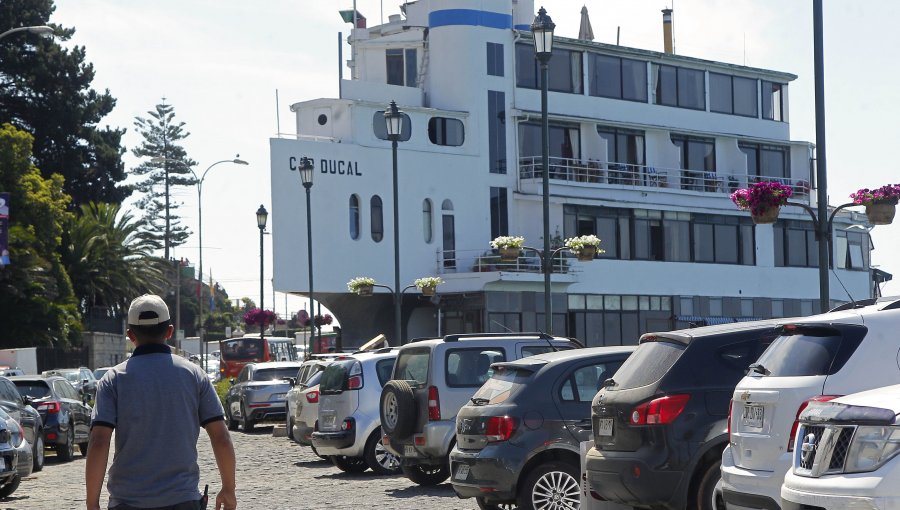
column 479, row 401
column 756, row 367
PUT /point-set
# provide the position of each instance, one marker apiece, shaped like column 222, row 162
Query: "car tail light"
column 354, row 377
column 660, row 411
column 434, row 404
column 347, row 424
column 730, row 405
column 500, row 428
column 51, row 407
column 820, row 398
column 312, row 397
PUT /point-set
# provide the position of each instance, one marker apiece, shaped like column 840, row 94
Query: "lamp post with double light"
column 393, row 119
column 261, row 216
column 305, row 166
column 542, row 30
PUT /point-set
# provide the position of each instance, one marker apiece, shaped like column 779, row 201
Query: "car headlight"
column 871, row 448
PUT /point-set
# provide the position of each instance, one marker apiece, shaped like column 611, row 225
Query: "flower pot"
column 509, row 254
column 586, row 253
column 881, row 214
column 766, row 217
column 364, row 290
column 428, row 291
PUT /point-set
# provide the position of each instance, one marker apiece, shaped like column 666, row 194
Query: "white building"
column 645, row 149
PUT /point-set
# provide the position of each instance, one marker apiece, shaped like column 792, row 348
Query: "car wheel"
column 232, row 423
column 553, row 485
column 398, row 408
column 349, row 464
column 83, row 448
column 378, row 458
column 424, row 474
column 246, row 422
column 66, row 451
column 706, row 491
column 482, row 505
column 290, row 428
column 38, row 451
column 7, row 490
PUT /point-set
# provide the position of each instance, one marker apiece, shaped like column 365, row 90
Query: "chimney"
column 667, row 31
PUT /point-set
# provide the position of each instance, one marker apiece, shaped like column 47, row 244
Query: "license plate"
column 409, row 451
column 328, row 421
column 462, row 472
column 753, row 416
column 605, row 427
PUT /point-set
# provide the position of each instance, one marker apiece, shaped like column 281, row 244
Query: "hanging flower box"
column 763, row 200
column 509, row 247
column 881, row 214
column 428, row 285
column 584, row 247
column 361, row 285
column 881, row 203
column 767, row 216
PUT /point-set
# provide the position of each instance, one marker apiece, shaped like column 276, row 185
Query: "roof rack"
column 458, row 337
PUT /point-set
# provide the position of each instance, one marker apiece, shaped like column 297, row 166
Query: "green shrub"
column 222, row 388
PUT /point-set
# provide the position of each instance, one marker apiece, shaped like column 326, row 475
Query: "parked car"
column 303, row 402
column 349, row 431
column 16, row 460
column 847, row 454
column 258, row 394
column 519, row 437
column 431, row 381
column 10, row 371
column 660, row 425
column 100, row 372
column 848, row 350
column 66, row 416
column 82, row 379
column 28, row 417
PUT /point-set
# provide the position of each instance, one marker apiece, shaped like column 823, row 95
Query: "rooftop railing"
column 482, row 261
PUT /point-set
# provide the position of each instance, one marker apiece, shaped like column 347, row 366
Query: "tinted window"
column 470, row 367
column 377, row 218
column 313, row 379
column 412, row 365
column 33, row 389
column 494, row 59
column 65, row 390
column 384, row 368
column 273, row 374
column 333, row 377
column 649, row 362
column 585, row 382
column 445, row 131
column 242, row 349
column 497, row 131
column 503, row 384
column 745, row 96
column 801, row 355
column 354, row 217
column 8, row 392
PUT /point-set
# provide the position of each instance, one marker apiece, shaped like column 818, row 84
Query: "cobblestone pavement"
column 272, row 473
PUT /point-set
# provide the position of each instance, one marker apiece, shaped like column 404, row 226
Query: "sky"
column 231, row 68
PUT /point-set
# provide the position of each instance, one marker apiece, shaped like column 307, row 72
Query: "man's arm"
column 95, row 467
column 224, row 452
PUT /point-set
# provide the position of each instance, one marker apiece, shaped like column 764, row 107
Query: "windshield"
column 33, row 389
column 412, row 365
column 274, row 374
column 647, row 364
column 801, row 355
column 502, row 385
column 242, row 349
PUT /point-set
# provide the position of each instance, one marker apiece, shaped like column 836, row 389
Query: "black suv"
column 518, row 440
column 661, row 423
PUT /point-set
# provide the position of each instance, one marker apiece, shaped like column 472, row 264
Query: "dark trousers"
column 187, row 505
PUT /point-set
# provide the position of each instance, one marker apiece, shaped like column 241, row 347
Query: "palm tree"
column 108, row 260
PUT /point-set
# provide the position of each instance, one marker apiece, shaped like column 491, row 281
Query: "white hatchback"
column 847, row 456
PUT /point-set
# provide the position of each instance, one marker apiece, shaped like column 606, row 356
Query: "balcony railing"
column 645, row 176
column 482, row 261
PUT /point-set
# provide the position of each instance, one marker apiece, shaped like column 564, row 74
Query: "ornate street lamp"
column 305, row 167
column 393, row 120
column 261, row 216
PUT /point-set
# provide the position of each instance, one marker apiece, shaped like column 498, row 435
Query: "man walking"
column 156, row 403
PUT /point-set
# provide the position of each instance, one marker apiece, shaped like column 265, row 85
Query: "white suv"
column 847, row 456
column 850, row 349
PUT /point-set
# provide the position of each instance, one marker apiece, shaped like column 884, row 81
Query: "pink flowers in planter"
column 259, row 317
column 762, row 196
column 320, row 320
column 887, row 194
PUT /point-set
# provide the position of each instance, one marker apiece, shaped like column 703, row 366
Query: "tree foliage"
column 46, row 90
column 37, row 304
column 166, row 166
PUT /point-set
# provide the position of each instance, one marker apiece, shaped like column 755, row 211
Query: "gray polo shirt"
column 157, row 403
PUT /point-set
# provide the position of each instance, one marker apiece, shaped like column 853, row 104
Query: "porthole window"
column 377, row 215
column 354, row 217
column 444, row 131
column 427, row 220
column 323, row 119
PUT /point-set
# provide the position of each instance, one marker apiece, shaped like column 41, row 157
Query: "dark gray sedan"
column 518, row 440
column 258, row 394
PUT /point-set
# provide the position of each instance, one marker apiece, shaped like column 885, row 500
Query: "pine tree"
column 167, row 165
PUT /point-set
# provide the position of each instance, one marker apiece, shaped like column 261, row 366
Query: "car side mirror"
column 290, row 380
column 85, row 398
column 85, row 382
column 27, row 400
column 231, row 381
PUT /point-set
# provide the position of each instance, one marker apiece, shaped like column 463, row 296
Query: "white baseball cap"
column 148, row 310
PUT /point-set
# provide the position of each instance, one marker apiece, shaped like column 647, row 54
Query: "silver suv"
column 432, row 380
column 349, row 429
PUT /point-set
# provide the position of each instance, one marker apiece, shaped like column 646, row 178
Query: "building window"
column 679, row 86
column 732, row 94
column 401, row 66
column 497, row 131
column 795, row 244
column 444, row 131
column 427, row 221
column 564, row 144
column 499, row 213
column 772, row 100
column 766, row 160
column 494, row 59
column 723, row 240
column 448, row 234
column 380, row 129
column 648, row 235
column 698, row 162
column 564, row 70
column 354, row 217
column 852, row 250
column 624, row 151
column 377, row 218
column 618, row 78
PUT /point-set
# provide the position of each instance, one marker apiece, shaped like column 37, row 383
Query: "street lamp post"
column 261, row 216
column 542, row 30
column 821, row 174
column 305, row 167
column 40, row 29
column 393, row 119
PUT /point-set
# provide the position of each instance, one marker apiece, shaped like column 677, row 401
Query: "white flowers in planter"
column 508, row 242
column 360, row 282
column 428, row 282
column 577, row 244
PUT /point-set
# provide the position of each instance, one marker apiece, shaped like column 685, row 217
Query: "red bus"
column 234, row 353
